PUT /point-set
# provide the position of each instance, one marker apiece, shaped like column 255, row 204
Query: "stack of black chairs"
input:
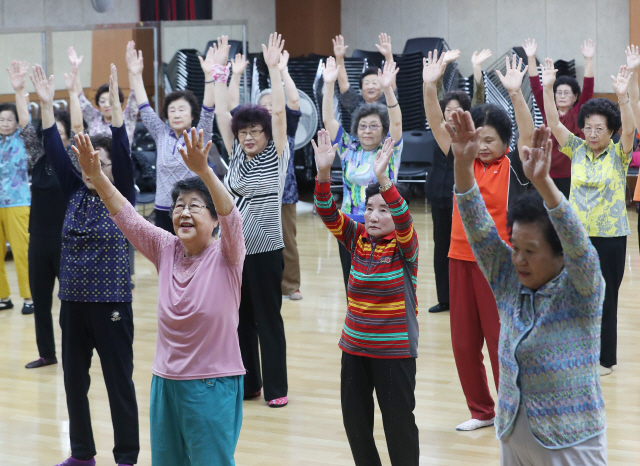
column 565, row 68
column 184, row 72
column 372, row 58
column 409, row 82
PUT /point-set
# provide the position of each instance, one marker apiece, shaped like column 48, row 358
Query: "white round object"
column 102, row 5
column 308, row 125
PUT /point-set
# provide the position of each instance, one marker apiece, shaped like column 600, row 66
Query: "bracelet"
column 386, row 187
column 112, row 194
column 624, row 103
column 220, row 74
column 392, row 106
column 209, row 82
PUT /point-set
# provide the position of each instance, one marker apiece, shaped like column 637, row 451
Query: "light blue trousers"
column 195, row 422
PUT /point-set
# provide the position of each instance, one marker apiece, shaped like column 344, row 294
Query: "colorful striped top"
column 382, row 305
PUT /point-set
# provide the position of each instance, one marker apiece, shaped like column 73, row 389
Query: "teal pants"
column 195, row 422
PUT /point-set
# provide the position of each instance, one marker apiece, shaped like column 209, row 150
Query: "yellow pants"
column 14, row 227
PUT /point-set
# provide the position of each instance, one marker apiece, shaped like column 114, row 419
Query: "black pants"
column 394, row 381
column 564, row 185
column 441, row 215
column 261, row 322
column 345, row 262
column 612, row 253
column 44, row 267
column 107, row 327
column 164, row 220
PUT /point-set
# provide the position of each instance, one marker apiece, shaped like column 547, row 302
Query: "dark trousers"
column 107, row 327
column 345, row 262
column 44, row 267
column 612, row 253
column 564, row 185
column 164, row 220
column 441, row 215
column 261, row 322
column 394, row 381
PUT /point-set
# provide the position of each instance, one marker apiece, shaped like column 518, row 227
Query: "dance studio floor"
column 33, row 413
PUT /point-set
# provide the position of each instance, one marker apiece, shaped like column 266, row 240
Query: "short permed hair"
column 63, row 117
column 528, row 208
column 186, row 95
column 194, row 185
column 10, row 107
column 494, row 116
column 374, row 188
column 366, row 110
column 102, row 141
column 461, row 96
column 105, row 88
column 249, row 115
column 602, row 107
column 569, row 81
column 368, row 72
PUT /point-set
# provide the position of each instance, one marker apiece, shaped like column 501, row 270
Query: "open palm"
column 621, row 82
column 18, row 74
column 433, row 67
column 512, row 80
column 325, row 153
column 536, row 160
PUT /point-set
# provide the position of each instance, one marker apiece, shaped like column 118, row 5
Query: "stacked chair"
column 565, row 68
column 184, row 72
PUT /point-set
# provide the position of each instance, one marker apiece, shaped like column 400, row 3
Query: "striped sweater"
column 382, row 306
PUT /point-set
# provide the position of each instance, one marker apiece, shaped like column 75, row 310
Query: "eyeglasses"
column 254, row 133
column 598, row 131
column 564, row 93
column 373, row 128
column 193, row 207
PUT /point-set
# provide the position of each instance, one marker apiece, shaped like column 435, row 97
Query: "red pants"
column 474, row 319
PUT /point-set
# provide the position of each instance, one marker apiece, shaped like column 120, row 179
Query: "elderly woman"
column 196, row 392
column 568, row 101
column 549, row 291
column 439, row 190
column 181, row 112
column 598, row 186
column 258, row 158
column 379, row 340
column 371, row 124
column 95, row 294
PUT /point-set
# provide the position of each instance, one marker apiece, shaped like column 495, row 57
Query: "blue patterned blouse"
column 14, row 178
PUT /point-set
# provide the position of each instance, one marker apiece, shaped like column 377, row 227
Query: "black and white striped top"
column 257, row 187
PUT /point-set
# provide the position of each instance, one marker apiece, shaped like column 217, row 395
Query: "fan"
column 308, row 121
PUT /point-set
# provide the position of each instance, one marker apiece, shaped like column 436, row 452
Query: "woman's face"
column 63, row 133
column 265, row 101
column 377, row 218
column 8, row 123
column 451, row 107
column 193, row 228
column 491, row 146
column 565, row 98
column 596, row 133
column 105, row 164
column 252, row 140
column 104, row 106
column 532, row 256
column 179, row 115
column 371, row 89
column 370, row 132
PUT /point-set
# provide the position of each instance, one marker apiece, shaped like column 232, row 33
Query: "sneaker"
column 278, row 402
column 27, row 308
column 295, row 296
column 41, row 362
column 440, row 307
column 605, row 371
column 473, row 424
column 4, row 305
column 74, row 462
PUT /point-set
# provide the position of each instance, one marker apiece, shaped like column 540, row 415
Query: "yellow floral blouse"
column 598, row 187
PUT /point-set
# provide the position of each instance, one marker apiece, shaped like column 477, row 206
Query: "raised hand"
column 512, row 80
column 548, row 73
column 195, row 152
column 339, row 49
column 70, row 78
column 381, row 161
column 433, row 67
column 74, row 60
column 324, row 151
column 272, row 51
column 88, row 158
column 211, row 59
column 588, row 49
column 388, row 75
column 330, row 72
column 633, row 57
column 18, row 74
column 621, row 82
column 44, row 87
column 478, row 58
column 114, row 94
column 451, row 55
column 465, row 138
column 384, row 47
column 135, row 63
column 530, row 47
column 238, row 64
column 536, row 160
column 284, row 60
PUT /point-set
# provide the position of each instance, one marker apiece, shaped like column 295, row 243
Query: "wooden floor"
column 33, row 414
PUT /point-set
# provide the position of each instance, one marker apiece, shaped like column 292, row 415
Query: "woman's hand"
column 70, row 78
column 238, row 64
column 477, row 59
column 548, row 73
column 135, row 63
column 536, row 160
column 588, row 49
column 388, row 75
column 465, row 137
column 219, row 54
column 325, row 154
column 339, row 49
column 512, row 80
column 384, row 47
column 74, row 60
column 44, row 87
column 451, row 56
column 633, row 57
column 330, row 72
column 621, row 82
column 381, row 163
column 433, row 67
column 18, row 74
column 273, row 50
column 88, row 158
column 530, row 47
column 195, row 153
column 207, row 63
column 284, row 60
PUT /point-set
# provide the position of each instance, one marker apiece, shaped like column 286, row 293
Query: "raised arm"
column 271, row 53
column 477, row 59
column 238, row 65
column 387, row 79
column 290, row 89
column 89, row 112
column 135, row 66
column 207, row 68
column 17, row 74
column 75, row 109
column 433, row 69
column 339, row 50
column 117, row 118
column 330, row 74
column 560, row 131
column 220, row 76
column 633, row 64
column 620, row 86
column 588, row 49
column 512, row 82
column 530, row 48
column 384, row 47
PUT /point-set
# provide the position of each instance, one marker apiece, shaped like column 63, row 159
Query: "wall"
column 260, row 14
column 559, row 27
column 38, row 13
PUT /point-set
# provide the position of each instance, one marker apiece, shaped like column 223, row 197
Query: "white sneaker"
column 473, row 424
column 605, row 371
